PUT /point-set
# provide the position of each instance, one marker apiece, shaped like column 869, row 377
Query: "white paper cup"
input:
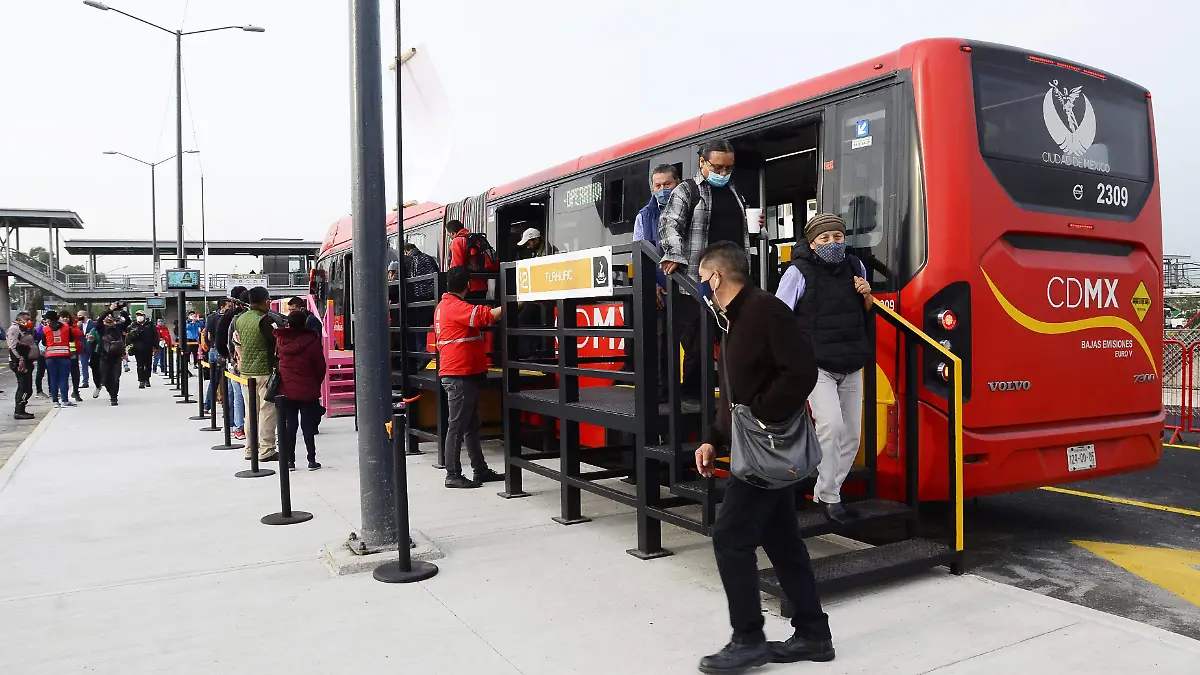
column 752, row 216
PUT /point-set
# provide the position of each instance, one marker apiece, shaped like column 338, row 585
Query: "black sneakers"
column 460, row 482
column 737, row 658
column 801, row 649
column 313, row 466
column 488, row 476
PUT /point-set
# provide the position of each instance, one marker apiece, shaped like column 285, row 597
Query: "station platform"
column 131, row 548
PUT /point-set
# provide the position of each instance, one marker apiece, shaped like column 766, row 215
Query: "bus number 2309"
column 1112, row 195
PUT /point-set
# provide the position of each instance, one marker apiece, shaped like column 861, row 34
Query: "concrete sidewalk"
column 130, row 548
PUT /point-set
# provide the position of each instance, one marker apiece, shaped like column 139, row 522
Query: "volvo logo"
column 1012, row 385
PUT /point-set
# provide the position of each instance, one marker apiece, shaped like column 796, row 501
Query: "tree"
column 41, row 254
column 74, row 269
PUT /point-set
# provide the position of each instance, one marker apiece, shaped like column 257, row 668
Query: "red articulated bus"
column 1008, row 205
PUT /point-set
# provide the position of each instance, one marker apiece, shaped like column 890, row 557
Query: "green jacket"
column 254, row 360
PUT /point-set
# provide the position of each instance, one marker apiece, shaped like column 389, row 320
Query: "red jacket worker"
column 462, row 368
column 461, row 254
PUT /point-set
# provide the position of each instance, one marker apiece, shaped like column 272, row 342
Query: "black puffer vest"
column 832, row 312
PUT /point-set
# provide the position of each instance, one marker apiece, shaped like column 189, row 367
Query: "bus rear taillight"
column 947, row 319
column 944, row 370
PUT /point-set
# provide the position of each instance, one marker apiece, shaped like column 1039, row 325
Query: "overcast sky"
column 531, row 83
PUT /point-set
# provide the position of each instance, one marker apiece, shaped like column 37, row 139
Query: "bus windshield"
column 1060, row 136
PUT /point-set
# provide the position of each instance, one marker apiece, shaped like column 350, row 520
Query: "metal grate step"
column 868, row 565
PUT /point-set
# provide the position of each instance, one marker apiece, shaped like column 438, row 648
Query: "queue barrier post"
column 170, row 358
column 227, row 412
column 404, row 570
column 252, row 438
column 286, row 515
column 183, row 395
column 215, row 377
column 201, row 377
column 176, row 363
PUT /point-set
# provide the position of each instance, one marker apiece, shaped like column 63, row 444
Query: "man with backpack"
column 473, row 251
column 111, row 351
column 829, row 293
column 700, row 212
column 234, row 398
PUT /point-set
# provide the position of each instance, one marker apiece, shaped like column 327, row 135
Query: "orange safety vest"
column 58, row 342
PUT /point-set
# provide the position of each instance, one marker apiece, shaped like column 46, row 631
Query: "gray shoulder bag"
column 765, row 455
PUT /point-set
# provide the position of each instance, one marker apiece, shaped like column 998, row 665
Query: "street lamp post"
column 153, row 210
column 182, row 251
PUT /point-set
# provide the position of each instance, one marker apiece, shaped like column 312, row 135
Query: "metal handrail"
column 954, row 410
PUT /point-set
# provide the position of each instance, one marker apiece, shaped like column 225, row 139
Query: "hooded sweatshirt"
column 301, row 363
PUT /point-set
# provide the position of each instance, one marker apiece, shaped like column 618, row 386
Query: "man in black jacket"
column 143, row 340
column 111, row 349
column 769, row 367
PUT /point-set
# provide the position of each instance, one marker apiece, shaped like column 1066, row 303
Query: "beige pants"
column 266, row 419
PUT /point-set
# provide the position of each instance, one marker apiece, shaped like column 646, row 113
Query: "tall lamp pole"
column 153, row 210
column 182, row 250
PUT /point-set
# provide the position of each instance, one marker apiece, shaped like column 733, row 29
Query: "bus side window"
column 864, row 137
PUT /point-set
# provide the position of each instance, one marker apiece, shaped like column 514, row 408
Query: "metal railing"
column 142, row 283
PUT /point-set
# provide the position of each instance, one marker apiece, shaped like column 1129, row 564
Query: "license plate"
column 1081, row 457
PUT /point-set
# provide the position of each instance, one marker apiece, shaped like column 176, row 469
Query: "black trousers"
column 750, row 517
column 24, row 386
column 145, row 363
column 75, row 375
column 96, row 364
column 110, row 375
column 462, row 398
column 688, row 315
column 292, row 414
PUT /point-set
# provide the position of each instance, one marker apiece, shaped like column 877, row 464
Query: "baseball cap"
column 531, row 233
column 393, row 266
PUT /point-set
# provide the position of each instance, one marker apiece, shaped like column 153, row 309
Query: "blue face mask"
column 662, row 196
column 833, row 253
column 717, row 180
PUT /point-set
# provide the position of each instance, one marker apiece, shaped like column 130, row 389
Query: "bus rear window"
column 1074, row 134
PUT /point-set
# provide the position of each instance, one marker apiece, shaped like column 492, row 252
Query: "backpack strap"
column 692, row 189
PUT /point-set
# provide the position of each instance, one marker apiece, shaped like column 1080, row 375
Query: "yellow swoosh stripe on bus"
column 1047, row 328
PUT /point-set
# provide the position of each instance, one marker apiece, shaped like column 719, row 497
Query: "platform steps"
column 341, row 390
column 837, row 572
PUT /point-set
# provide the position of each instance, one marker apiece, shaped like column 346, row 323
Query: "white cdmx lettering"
column 602, row 317
column 1070, row 292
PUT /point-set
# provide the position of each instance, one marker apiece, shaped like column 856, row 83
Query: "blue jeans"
column 59, row 369
column 212, row 378
column 160, row 361
column 237, row 412
column 85, row 358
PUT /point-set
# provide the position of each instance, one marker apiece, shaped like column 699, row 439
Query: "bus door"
column 777, row 172
column 859, row 184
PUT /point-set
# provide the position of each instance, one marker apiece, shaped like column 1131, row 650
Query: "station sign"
column 183, row 279
column 156, row 303
column 578, row 274
column 248, row 280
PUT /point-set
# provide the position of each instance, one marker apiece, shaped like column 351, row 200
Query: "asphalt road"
column 1026, row 539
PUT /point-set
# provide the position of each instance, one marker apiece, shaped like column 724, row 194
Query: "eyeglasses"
column 723, row 169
